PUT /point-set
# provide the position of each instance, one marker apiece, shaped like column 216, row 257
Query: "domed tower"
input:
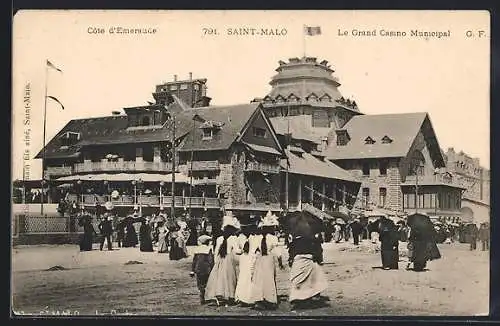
column 307, row 87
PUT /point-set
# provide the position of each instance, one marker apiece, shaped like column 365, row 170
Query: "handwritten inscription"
column 27, row 131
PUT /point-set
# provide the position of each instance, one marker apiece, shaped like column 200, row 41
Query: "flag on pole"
column 55, row 99
column 312, row 30
column 51, row 65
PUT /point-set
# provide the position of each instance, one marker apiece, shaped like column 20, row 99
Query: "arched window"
column 145, row 121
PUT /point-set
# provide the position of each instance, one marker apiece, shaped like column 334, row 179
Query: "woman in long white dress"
column 221, row 285
column 243, row 294
column 268, row 258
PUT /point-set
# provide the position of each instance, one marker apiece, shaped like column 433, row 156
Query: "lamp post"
column 172, row 117
column 417, row 169
column 161, row 197
column 79, row 197
column 140, row 184
column 134, row 183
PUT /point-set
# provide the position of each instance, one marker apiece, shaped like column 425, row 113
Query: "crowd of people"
column 154, row 232
column 240, row 268
column 238, row 263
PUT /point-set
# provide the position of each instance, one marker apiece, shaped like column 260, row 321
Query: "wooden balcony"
column 58, row 171
column 262, row 167
column 145, row 200
column 124, row 166
column 203, row 166
column 204, row 181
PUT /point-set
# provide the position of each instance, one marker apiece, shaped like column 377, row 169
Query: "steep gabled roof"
column 235, row 118
column 106, row 127
column 307, row 164
column 401, row 128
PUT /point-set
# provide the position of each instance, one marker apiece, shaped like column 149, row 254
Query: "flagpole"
column 44, row 132
column 304, row 40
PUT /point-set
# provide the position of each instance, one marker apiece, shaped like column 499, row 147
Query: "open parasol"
column 339, row 216
column 421, row 223
column 302, row 223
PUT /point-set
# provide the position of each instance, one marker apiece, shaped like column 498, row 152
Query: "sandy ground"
column 100, row 282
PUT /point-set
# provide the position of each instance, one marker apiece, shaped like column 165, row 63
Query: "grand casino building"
column 301, row 146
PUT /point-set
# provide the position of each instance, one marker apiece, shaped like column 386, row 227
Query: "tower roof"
column 307, row 80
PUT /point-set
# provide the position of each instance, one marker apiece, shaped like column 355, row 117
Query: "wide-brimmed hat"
column 230, row 221
column 204, row 239
column 270, row 220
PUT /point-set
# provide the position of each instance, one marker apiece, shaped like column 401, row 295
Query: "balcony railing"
column 262, row 167
column 203, row 165
column 204, row 181
column 123, row 166
column 145, row 200
column 430, row 178
column 58, row 171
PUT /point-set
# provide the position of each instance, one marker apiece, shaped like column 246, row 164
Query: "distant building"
column 476, row 180
column 399, row 162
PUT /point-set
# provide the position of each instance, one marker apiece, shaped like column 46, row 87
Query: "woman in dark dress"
column 146, row 243
column 88, row 233
column 389, row 240
column 130, row 235
column 176, row 251
column 424, row 248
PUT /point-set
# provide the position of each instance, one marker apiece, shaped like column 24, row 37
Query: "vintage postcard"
column 250, row 163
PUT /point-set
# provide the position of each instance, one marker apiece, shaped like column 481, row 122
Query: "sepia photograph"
column 250, row 163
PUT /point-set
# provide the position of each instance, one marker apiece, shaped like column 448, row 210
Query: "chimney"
column 190, row 76
column 175, row 78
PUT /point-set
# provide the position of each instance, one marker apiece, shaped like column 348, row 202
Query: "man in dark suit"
column 106, row 229
column 356, row 228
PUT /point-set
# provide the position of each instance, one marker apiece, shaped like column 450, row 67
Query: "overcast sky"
column 447, row 77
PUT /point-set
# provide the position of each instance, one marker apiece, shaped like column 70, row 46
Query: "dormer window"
column 184, row 86
column 210, row 127
column 259, row 132
column 280, row 99
column 70, row 138
column 312, row 97
column 369, row 140
column 208, row 134
column 342, row 137
column 325, row 98
column 292, row 97
column 386, row 140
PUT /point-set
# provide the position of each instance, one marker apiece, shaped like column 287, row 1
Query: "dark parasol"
column 302, row 224
column 421, row 223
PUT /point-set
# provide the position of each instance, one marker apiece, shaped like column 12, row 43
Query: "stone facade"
column 374, row 181
column 469, row 174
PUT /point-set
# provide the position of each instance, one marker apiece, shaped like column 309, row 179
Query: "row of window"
column 181, row 87
column 439, row 200
column 208, row 133
column 382, row 167
column 382, row 197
